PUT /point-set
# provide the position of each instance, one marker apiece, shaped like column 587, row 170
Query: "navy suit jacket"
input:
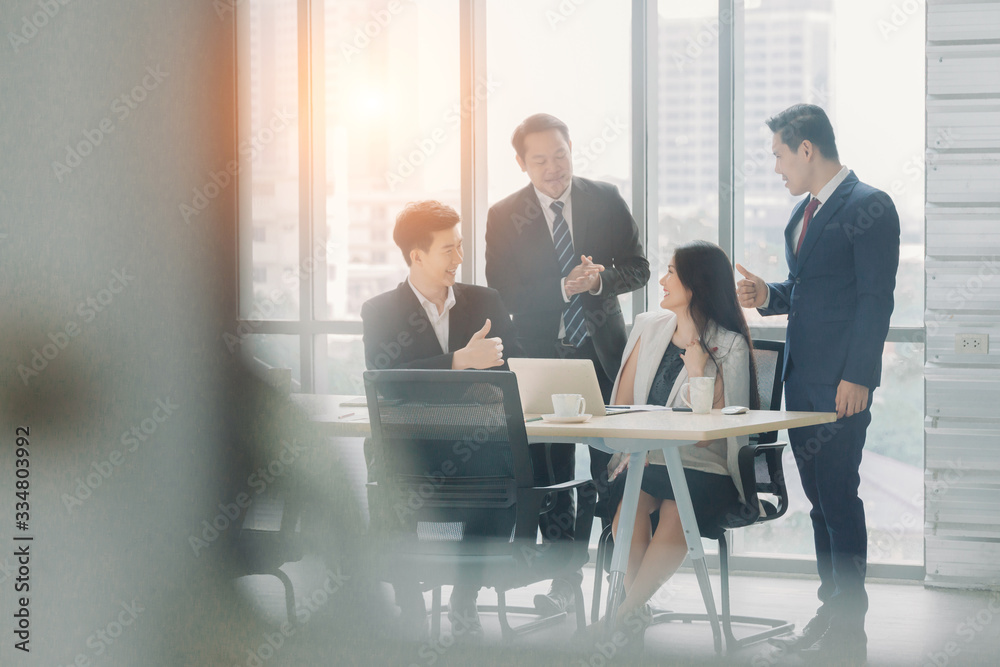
column 521, row 264
column 397, row 333
column 838, row 296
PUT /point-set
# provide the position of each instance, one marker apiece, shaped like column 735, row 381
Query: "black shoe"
column 464, row 617
column 559, row 599
column 810, row 634
column 839, row 646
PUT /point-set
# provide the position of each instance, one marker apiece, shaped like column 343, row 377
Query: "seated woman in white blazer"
column 700, row 332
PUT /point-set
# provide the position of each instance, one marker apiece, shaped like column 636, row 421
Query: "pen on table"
column 533, row 419
column 346, row 415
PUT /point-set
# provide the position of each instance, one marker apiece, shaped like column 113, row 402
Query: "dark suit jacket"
column 521, row 264
column 397, row 333
column 838, row 295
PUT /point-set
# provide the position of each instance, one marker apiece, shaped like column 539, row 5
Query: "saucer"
column 577, row 419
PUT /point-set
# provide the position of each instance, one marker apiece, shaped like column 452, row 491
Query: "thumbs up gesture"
column 751, row 290
column 481, row 352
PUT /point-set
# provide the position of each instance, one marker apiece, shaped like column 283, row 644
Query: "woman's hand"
column 619, row 464
column 695, row 357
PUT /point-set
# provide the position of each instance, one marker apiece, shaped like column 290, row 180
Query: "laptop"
column 538, row 379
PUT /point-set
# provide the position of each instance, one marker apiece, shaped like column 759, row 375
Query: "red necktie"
column 806, row 217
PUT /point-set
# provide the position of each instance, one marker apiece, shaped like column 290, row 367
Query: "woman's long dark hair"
column 704, row 268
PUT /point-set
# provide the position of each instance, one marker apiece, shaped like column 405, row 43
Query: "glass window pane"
column 393, row 132
column 345, row 365
column 892, row 477
column 688, row 150
column 265, row 351
column 572, row 61
column 812, row 51
column 271, row 144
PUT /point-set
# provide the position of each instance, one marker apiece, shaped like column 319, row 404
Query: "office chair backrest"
column 768, row 356
column 453, row 452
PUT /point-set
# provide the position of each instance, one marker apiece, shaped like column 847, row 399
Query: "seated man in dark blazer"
column 431, row 321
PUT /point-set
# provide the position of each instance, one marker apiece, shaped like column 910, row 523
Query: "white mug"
column 568, row 405
column 701, row 392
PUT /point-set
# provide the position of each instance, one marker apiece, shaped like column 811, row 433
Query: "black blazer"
column 839, row 292
column 521, row 264
column 397, row 333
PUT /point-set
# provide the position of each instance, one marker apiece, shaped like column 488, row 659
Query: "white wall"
column 963, row 294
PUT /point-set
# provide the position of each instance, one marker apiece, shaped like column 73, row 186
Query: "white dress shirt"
column 550, row 219
column 439, row 320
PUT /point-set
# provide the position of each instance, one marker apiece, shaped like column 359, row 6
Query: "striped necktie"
column 573, row 319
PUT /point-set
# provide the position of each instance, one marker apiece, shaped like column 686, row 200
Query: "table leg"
column 692, row 535
column 623, row 538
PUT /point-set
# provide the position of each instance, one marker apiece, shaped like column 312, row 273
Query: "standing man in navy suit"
column 842, row 248
column 560, row 251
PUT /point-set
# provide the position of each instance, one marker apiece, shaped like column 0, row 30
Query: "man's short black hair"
column 805, row 121
column 417, row 222
column 536, row 123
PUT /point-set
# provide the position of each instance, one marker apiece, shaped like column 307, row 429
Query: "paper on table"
column 623, row 409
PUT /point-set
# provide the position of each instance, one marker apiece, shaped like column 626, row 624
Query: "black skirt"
column 712, row 495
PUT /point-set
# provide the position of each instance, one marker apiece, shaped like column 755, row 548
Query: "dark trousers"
column 828, row 457
column 555, row 462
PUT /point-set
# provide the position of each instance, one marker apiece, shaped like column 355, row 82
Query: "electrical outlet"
column 969, row 343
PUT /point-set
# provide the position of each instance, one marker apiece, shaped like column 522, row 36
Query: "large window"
column 351, row 108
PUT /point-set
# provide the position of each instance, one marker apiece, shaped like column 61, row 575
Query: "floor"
column 907, row 625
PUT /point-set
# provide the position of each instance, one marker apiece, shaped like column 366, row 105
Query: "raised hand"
column 695, row 357
column 480, row 353
column 752, row 290
column 584, row 277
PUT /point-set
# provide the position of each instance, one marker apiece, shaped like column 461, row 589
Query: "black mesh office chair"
column 763, row 481
column 453, row 499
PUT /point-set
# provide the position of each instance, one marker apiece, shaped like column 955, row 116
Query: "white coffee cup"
column 700, row 394
column 568, row 405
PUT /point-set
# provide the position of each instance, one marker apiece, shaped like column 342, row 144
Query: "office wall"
column 112, row 114
column 963, row 294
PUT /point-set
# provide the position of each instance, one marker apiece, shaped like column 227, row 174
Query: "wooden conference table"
column 636, row 433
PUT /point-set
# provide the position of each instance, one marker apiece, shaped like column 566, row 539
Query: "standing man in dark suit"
column 431, row 321
column 560, row 251
column 842, row 248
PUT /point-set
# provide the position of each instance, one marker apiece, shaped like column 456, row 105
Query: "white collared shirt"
column 823, row 196
column 439, row 320
column 550, row 219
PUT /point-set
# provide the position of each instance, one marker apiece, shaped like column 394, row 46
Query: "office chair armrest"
column 773, row 452
column 545, row 499
column 563, row 486
column 769, row 445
